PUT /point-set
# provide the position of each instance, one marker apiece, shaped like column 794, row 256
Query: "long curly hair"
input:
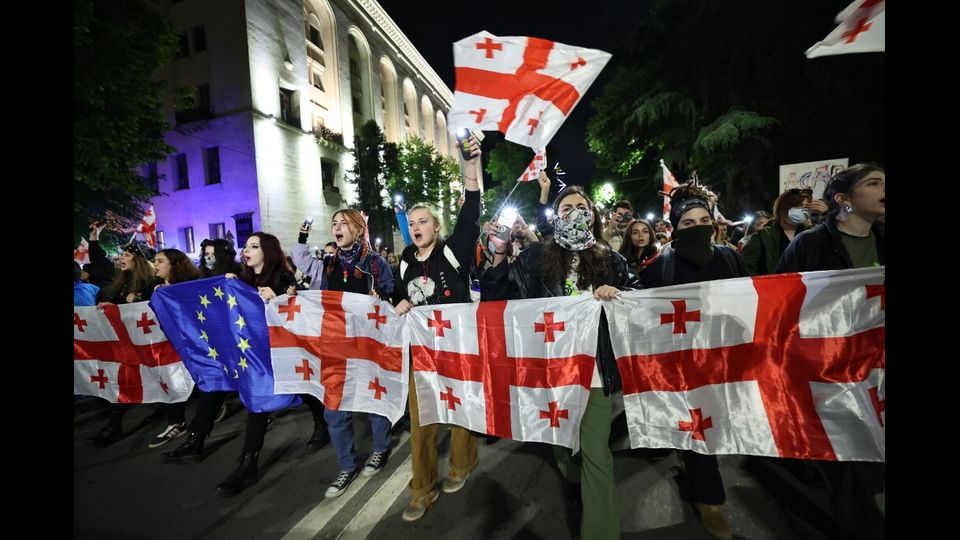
column 357, row 224
column 137, row 280
column 226, row 258
column 557, row 262
column 633, row 254
column 274, row 262
column 181, row 267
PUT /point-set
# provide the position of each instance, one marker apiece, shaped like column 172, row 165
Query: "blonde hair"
column 433, row 214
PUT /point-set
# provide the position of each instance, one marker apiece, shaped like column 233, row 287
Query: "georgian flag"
column 669, row 183
column 121, row 354
column 519, row 369
column 788, row 365
column 537, row 164
column 148, row 226
column 523, row 87
column 862, row 29
column 82, row 253
column 346, row 349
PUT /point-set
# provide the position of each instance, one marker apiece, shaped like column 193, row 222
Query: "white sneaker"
column 173, row 431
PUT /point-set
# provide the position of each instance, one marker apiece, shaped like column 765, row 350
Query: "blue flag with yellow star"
column 219, row 328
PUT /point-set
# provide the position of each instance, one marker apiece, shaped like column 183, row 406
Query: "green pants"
column 592, row 468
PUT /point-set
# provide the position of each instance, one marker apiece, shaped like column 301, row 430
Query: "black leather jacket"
column 522, row 279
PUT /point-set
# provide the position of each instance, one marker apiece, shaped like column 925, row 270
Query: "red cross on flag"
column 521, row 86
column 148, row 226
column 537, row 164
column 862, row 29
column 82, row 253
column 121, row 354
column 788, row 365
column 519, row 369
column 344, row 348
column 669, row 183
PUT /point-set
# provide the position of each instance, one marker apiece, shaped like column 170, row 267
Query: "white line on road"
column 316, row 519
column 378, row 505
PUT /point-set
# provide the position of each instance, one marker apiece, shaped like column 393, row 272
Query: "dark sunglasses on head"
column 794, row 191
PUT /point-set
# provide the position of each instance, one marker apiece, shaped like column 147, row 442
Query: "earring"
column 848, row 208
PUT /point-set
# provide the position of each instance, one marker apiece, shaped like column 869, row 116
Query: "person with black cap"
column 692, row 257
column 218, row 258
column 851, row 236
column 134, row 283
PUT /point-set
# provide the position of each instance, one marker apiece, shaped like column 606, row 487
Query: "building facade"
column 280, row 88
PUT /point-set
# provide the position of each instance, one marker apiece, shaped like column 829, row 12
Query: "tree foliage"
column 118, row 109
column 723, row 88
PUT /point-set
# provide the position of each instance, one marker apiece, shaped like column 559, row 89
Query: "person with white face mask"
column 791, row 216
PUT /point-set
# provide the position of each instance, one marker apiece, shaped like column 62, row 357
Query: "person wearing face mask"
column 692, row 258
column 790, row 217
column 218, row 258
column 353, row 268
column 575, row 262
column 434, row 270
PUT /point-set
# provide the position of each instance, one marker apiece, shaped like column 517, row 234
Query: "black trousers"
column 208, row 405
column 704, row 483
column 257, row 424
column 853, row 485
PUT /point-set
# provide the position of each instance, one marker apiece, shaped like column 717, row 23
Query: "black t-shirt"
column 686, row 272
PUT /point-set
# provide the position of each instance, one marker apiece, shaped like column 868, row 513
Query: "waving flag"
column 669, row 183
column 788, row 365
column 523, row 87
column 219, row 327
column 121, row 355
column 82, row 253
column 148, row 226
column 519, row 369
column 537, row 164
column 862, row 29
column 344, row 348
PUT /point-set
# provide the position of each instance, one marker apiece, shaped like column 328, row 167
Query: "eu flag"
column 219, row 328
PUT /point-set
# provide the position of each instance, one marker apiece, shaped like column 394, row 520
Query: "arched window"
column 359, row 55
column 320, row 41
column 411, row 111
column 442, row 136
column 389, row 100
column 426, row 112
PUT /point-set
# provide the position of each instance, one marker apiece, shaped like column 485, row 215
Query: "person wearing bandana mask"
column 218, row 258
column 790, row 217
column 573, row 262
column 692, row 258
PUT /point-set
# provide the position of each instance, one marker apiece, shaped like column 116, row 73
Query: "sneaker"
column 172, row 432
column 221, row 413
column 374, row 463
column 454, row 484
column 339, row 485
column 419, row 506
column 319, row 439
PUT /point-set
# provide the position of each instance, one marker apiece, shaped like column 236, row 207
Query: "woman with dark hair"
column 173, row 266
column 790, row 217
column 218, row 258
column 574, row 261
column 134, row 283
column 640, row 245
column 354, row 268
column 851, row 236
column 264, row 267
column 692, row 257
column 433, row 271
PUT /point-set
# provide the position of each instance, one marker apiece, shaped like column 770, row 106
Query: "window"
column 183, row 46
column 217, row 230
column 315, row 37
column 196, row 109
column 355, row 100
column 212, row 158
column 199, row 39
column 188, row 240
column 244, row 228
column 183, row 177
column 160, row 240
column 152, row 177
column 317, row 80
column 290, row 106
column 354, row 69
column 328, row 177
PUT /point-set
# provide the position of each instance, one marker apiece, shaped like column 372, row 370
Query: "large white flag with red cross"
column 344, row 348
column 519, row 369
column 121, row 354
column 788, row 365
column 521, row 86
column 82, row 253
column 862, row 28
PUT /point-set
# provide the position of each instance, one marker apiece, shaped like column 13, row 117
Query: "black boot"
column 319, row 439
column 108, row 435
column 192, row 448
column 244, row 476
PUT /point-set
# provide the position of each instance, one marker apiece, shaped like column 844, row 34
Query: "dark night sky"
column 606, row 25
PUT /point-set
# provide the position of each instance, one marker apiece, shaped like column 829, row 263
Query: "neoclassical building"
column 281, row 86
